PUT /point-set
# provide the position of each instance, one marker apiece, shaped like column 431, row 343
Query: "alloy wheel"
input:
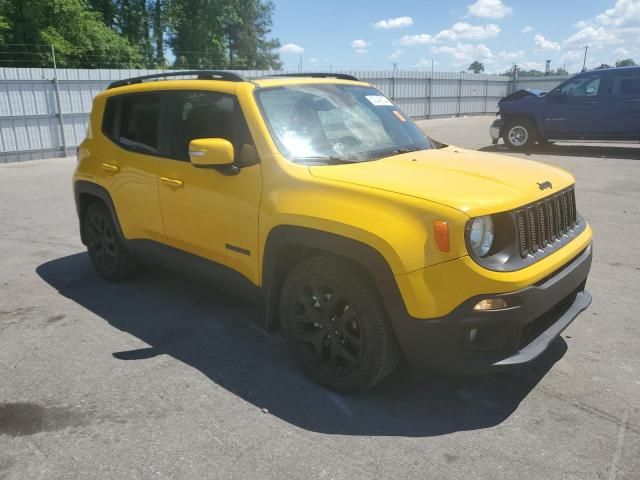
column 327, row 329
column 101, row 242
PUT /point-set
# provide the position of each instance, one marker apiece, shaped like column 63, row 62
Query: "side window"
column 585, row 86
column 208, row 115
column 109, row 120
column 138, row 122
column 625, row 83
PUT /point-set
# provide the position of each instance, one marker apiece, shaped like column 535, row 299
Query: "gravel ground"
column 160, row 377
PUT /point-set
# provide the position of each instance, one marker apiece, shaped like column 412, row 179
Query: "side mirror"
column 211, row 152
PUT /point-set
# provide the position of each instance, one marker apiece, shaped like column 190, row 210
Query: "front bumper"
column 495, row 129
column 504, row 338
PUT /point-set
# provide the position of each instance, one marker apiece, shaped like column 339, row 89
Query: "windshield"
column 328, row 123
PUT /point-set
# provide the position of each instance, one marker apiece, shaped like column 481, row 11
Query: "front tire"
column 520, row 134
column 106, row 251
column 336, row 326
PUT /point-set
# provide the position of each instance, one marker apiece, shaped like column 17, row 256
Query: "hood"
column 526, row 94
column 475, row 183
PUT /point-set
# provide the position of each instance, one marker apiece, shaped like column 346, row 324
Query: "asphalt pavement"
column 163, row 378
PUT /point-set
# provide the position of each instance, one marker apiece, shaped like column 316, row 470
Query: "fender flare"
column 366, row 257
column 81, row 187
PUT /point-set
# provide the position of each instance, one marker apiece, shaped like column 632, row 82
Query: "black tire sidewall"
column 371, row 316
column 120, row 268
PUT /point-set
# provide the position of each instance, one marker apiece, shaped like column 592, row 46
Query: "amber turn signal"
column 441, row 230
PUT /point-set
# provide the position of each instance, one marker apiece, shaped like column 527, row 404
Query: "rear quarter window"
column 132, row 122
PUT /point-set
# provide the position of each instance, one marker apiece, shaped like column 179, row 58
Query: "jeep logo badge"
column 544, row 185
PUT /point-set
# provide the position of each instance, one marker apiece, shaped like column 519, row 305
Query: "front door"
column 576, row 108
column 208, row 212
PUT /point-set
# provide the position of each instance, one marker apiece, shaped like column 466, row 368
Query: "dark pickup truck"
column 600, row 104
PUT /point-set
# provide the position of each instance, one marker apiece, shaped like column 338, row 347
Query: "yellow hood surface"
column 476, row 183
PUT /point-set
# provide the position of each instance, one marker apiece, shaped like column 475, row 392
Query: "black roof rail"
column 339, row 76
column 201, row 74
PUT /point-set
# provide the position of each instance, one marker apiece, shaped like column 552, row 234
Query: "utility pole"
column 584, row 63
column 56, row 87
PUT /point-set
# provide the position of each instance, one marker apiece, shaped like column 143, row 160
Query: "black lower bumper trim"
column 501, row 338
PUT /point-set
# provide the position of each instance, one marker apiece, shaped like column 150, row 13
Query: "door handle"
column 172, row 182
column 108, row 167
column 590, row 103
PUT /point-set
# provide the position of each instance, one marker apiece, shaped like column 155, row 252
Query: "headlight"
column 481, row 235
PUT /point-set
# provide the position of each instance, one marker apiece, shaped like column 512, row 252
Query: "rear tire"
column 520, row 134
column 336, row 326
column 106, row 251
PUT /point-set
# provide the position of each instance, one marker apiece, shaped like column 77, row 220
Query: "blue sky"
column 373, row 34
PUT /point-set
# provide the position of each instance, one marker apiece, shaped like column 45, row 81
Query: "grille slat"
column 540, row 224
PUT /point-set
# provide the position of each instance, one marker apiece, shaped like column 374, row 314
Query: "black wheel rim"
column 327, row 329
column 101, row 242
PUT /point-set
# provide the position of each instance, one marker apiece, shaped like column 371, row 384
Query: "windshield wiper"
column 398, row 151
column 329, row 160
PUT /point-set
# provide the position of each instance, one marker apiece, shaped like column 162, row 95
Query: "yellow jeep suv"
column 364, row 240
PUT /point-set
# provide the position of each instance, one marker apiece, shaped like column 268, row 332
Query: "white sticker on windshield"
column 379, row 100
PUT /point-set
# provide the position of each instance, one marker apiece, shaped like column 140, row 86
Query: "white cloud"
column 360, row 46
column 359, row 43
column 489, row 9
column 510, row 56
column 621, row 52
column 396, row 53
column 465, row 52
column 389, row 23
column 618, row 26
column 544, row 44
column 464, row 30
column 527, row 29
column 624, row 13
column 291, row 48
column 458, row 31
column 592, row 36
column 420, row 39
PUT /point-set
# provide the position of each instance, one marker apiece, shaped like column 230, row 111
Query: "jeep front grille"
column 542, row 223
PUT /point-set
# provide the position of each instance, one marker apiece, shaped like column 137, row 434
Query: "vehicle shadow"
column 632, row 152
column 219, row 336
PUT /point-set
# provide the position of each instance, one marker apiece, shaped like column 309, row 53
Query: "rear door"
column 129, row 162
column 625, row 103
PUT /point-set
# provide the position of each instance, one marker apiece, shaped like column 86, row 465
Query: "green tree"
column 196, row 31
column 222, row 33
column 476, row 67
column 133, row 22
column 4, row 28
column 248, row 45
column 561, row 71
column 627, row 62
column 78, row 34
column 107, row 9
column 158, row 32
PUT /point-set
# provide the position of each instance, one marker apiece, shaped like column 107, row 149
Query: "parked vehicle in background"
column 363, row 239
column 602, row 104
